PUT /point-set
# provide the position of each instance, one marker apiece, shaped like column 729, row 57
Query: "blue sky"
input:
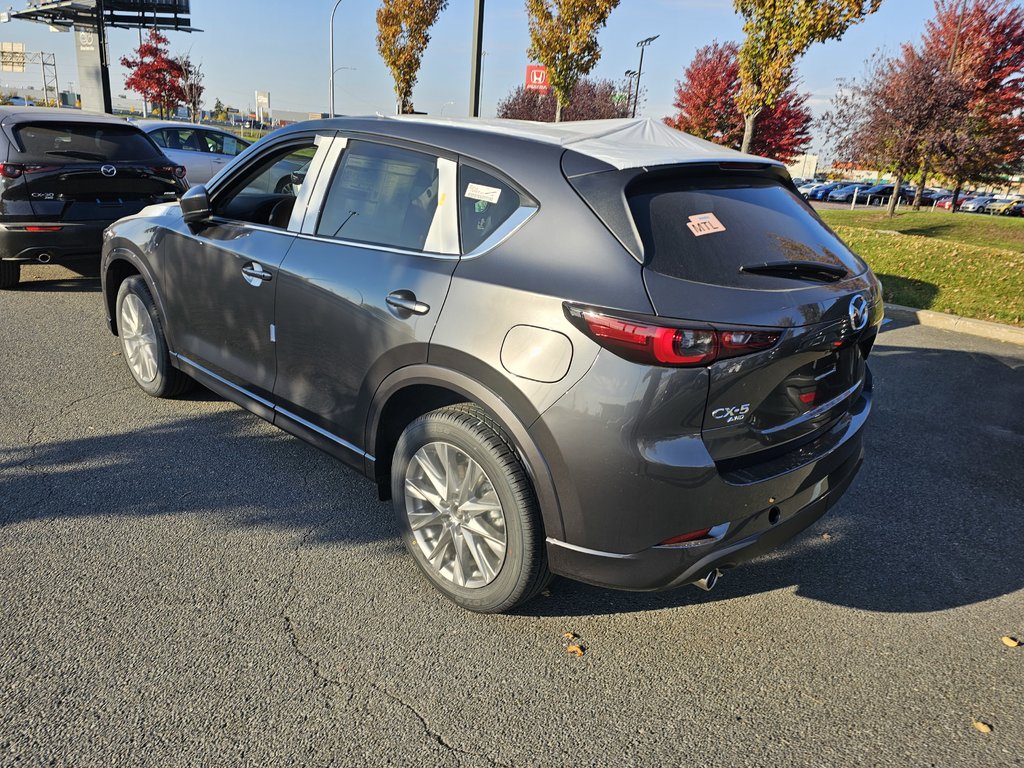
column 283, row 47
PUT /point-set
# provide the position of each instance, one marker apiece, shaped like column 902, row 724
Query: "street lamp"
column 333, row 70
column 641, row 45
column 446, row 104
column 630, row 74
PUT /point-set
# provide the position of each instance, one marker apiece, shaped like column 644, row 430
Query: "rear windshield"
column 85, row 143
column 704, row 229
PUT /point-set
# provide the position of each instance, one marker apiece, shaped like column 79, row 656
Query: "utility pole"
column 630, row 74
column 476, row 71
column 641, row 45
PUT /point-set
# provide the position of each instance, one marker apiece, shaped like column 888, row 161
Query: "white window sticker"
column 705, row 224
column 480, row 192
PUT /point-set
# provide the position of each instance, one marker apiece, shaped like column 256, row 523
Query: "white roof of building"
column 625, row 143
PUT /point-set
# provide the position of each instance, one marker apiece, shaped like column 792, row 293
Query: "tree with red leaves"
column 984, row 43
column 706, row 100
column 590, row 100
column 154, row 74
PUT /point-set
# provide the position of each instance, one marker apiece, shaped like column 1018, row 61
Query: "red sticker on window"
column 705, row 224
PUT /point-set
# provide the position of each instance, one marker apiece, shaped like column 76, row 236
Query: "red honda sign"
column 537, row 78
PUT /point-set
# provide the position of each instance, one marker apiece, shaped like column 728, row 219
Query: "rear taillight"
column 669, row 345
column 11, row 171
column 175, row 171
column 179, row 171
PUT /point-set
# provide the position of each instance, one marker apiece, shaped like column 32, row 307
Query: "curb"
column 983, row 328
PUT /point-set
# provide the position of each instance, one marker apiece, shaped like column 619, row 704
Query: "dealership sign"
column 537, row 78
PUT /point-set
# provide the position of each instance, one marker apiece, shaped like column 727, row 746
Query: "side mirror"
column 195, row 205
column 297, row 177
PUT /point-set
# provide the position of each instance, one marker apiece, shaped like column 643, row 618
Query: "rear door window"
column 705, row 229
column 224, row 143
column 69, row 143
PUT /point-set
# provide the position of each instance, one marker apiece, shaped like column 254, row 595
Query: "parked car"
column 64, row 177
column 880, row 194
column 201, row 149
column 978, row 204
column 822, row 191
column 1000, row 206
column 845, row 194
column 1017, row 209
column 946, row 203
column 487, row 321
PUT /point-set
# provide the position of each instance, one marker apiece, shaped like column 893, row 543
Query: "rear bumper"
column 661, row 568
column 628, row 489
column 17, row 243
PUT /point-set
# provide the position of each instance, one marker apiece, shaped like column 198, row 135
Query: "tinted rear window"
column 84, row 143
column 705, row 229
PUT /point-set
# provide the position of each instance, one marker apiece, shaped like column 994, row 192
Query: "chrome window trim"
column 507, row 228
column 373, row 247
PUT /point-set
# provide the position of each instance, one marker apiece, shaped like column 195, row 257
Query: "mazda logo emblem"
column 858, row 313
column 109, row 170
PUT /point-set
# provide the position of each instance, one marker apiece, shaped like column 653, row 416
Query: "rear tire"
column 10, row 274
column 467, row 511
column 140, row 330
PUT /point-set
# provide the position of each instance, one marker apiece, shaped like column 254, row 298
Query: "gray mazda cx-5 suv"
column 605, row 350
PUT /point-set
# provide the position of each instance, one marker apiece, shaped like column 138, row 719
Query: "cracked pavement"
column 184, row 585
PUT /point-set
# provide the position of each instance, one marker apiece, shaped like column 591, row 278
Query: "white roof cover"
column 626, row 143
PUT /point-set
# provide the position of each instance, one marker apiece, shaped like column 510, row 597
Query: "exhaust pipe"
column 708, row 582
column 44, row 258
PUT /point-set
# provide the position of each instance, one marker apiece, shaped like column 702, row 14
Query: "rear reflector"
column 808, row 397
column 703, row 533
column 656, row 344
column 43, row 229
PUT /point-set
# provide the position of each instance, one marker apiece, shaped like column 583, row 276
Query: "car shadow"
column 72, row 276
column 931, row 523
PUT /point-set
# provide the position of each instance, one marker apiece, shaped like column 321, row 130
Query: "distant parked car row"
column 871, row 193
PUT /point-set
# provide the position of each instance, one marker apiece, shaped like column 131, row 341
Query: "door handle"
column 406, row 300
column 255, row 274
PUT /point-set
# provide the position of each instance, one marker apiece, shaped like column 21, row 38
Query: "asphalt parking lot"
column 185, row 585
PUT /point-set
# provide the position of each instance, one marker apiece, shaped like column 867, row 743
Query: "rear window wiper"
column 76, row 153
column 798, row 270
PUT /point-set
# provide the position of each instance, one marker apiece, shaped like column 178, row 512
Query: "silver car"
column 202, row 149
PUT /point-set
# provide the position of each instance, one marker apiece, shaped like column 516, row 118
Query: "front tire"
column 140, row 329
column 10, row 274
column 467, row 511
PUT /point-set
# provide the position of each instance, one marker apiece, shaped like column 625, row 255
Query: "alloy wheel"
column 455, row 515
column 139, row 338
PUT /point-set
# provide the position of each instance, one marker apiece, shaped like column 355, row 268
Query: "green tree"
column 403, row 32
column 777, row 33
column 563, row 37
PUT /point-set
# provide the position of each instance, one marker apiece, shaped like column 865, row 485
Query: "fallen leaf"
column 980, row 726
column 579, row 650
column 569, row 636
column 1010, row 642
column 545, row 593
column 826, row 536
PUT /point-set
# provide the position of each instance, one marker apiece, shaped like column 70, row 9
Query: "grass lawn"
column 964, row 264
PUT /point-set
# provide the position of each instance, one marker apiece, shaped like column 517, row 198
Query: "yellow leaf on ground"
column 569, row 636
column 575, row 650
column 980, row 726
column 1010, row 642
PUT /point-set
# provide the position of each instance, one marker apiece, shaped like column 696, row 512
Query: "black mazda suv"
column 65, row 176
column 606, row 350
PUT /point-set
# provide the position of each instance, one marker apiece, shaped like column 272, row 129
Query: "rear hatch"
column 742, row 250
column 733, row 246
column 89, row 171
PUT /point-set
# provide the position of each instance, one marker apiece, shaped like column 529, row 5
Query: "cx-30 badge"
column 109, row 170
column 858, row 312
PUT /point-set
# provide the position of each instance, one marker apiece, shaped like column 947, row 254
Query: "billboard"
column 12, row 57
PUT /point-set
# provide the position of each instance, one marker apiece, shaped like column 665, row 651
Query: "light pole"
column 446, row 104
column 477, row 64
column 630, row 74
column 333, row 70
column 641, row 45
